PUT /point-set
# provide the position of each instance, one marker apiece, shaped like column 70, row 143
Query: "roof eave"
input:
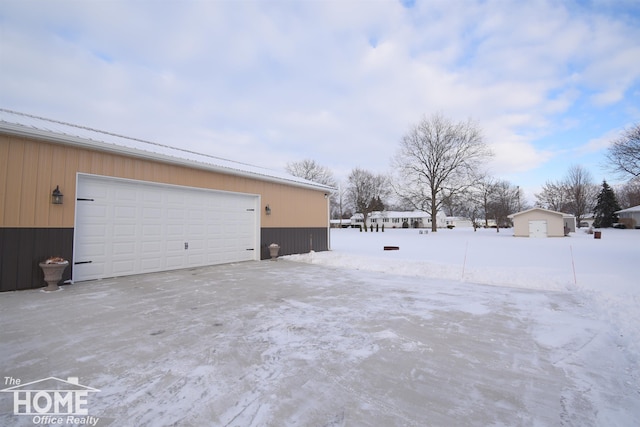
column 18, row 130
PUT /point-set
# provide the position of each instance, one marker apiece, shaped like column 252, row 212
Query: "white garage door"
column 128, row 227
column 538, row 228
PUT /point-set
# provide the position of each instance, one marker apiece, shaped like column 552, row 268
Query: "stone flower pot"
column 53, row 272
column 273, row 251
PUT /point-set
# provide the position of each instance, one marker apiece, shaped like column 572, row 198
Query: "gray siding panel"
column 22, row 249
column 293, row 240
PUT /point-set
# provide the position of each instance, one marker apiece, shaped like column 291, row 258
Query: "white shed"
column 538, row 222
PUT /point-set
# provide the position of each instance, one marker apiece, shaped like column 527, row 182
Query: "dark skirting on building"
column 22, row 249
column 293, row 240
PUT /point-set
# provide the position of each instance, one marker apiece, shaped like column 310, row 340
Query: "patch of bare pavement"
column 283, row 344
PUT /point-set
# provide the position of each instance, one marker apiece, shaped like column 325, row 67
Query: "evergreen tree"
column 376, row 204
column 606, row 206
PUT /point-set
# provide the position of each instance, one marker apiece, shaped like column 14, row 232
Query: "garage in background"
column 538, row 222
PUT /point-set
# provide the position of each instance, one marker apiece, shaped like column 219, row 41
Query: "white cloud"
column 339, row 82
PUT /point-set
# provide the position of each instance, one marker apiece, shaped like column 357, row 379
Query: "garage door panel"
column 125, row 193
column 152, row 196
column 93, row 210
column 92, row 250
column 175, row 262
column 150, row 231
column 90, row 271
column 122, row 267
column 152, row 213
column 124, row 248
column 152, row 247
column 125, row 212
column 175, row 213
column 131, row 227
column 175, row 198
column 124, row 230
column 96, row 231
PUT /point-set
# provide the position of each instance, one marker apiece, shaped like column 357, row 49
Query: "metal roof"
column 538, row 209
column 631, row 209
column 27, row 125
column 398, row 214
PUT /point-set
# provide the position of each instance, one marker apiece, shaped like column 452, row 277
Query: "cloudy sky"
column 550, row 83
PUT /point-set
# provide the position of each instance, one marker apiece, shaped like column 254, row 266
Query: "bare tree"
column 475, row 200
column 312, row 171
column 436, row 160
column 365, row 191
column 472, row 206
column 553, row 196
column 624, row 153
column 629, row 194
column 338, row 208
column 503, row 201
column 575, row 193
column 485, row 187
column 582, row 192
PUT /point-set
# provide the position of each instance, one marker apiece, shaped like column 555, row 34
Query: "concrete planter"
column 274, row 248
column 53, row 273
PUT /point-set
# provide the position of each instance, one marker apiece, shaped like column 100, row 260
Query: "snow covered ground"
column 454, row 329
column 604, row 271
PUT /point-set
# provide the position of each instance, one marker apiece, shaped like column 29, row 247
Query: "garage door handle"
column 84, row 200
column 82, row 262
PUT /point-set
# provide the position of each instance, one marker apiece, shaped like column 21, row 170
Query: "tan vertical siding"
column 43, row 186
column 13, row 189
column 32, row 169
column 4, row 166
column 29, row 180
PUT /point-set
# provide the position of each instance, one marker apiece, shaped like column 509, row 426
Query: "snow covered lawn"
column 604, row 271
column 455, row 328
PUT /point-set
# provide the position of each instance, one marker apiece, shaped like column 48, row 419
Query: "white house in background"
column 586, row 222
column 458, row 221
column 630, row 217
column 399, row 219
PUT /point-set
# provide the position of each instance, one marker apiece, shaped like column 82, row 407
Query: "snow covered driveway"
column 294, row 344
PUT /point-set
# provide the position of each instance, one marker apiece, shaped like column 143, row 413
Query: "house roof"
column 398, row 214
column 26, row 125
column 538, row 209
column 631, row 209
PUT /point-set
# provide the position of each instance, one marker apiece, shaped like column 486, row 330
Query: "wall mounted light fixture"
column 56, row 196
column 267, row 210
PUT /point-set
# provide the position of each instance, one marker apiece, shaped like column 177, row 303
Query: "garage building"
column 629, row 217
column 538, row 222
column 131, row 206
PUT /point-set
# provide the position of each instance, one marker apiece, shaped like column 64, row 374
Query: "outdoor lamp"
column 56, row 196
column 267, row 210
